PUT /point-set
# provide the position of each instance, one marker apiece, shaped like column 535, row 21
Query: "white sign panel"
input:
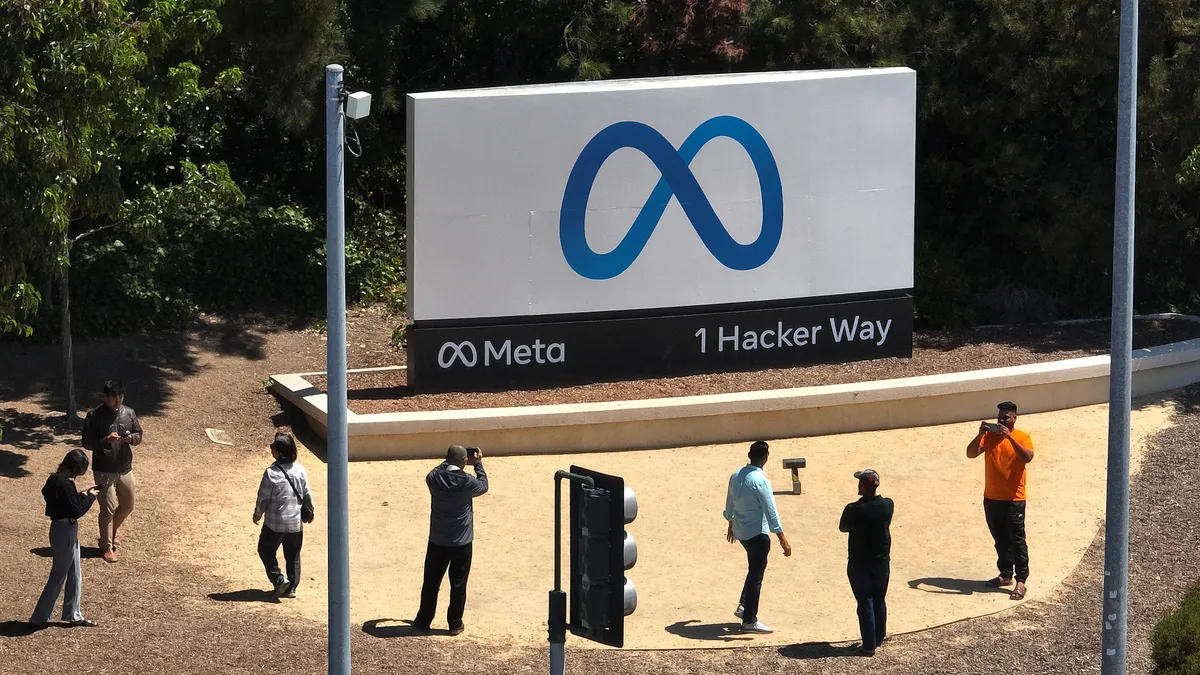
column 660, row 193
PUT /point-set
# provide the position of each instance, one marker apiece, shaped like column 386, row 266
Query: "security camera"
column 358, row 105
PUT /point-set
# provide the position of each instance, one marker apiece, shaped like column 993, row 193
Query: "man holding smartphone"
column 110, row 432
column 1006, row 451
column 451, row 532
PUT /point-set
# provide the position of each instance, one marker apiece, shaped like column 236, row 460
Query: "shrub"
column 1176, row 639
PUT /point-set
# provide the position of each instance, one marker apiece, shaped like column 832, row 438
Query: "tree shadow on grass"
column 246, row 595
column 12, row 464
column 718, row 632
column 150, row 366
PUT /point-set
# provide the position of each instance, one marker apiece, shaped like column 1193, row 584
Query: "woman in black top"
column 64, row 506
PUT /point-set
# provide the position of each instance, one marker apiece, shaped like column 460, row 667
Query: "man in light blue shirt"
column 750, row 510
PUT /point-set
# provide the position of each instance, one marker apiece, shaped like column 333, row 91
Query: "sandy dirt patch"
column 687, row 576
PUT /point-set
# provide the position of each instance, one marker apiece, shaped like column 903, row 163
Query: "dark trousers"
column 268, row 544
column 757, row 549
column 437, row 559
column 1006, row 522
column 869, row 582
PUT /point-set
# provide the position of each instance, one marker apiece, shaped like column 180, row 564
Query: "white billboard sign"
column 660, row 193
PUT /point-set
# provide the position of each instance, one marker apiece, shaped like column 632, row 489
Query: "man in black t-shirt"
column 868, row 521
column 110, row 432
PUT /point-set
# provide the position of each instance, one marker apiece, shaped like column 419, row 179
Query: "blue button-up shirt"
column 750, row 504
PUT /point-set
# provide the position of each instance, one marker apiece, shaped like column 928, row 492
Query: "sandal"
column 998, row 582
column 1017, row 594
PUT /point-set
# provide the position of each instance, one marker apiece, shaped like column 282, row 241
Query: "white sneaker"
column 739, row 611
column 757, row 627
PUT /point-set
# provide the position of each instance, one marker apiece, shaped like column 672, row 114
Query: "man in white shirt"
column 750, row 510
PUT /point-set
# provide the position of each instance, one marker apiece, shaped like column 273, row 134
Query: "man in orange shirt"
column 1006, row 451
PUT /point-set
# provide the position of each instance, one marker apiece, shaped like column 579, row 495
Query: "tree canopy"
column 172, row 129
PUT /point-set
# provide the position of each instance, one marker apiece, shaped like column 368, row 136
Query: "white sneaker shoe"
column 757, row 627
column 739, row 611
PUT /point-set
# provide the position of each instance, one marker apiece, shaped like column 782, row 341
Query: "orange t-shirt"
column 1004, row 476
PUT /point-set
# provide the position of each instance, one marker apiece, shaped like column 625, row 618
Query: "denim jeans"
column 869, row 582
column 757, row 549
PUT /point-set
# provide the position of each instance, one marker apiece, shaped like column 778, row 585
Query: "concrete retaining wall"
column 727, row 418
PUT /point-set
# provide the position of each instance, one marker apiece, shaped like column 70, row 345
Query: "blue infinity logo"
column 678, row 181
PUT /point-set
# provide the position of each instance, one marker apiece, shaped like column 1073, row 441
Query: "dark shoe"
column 457, row 629
column 282, row 587
column 291, row 593
column 864, row 652
column 37, row 624
column 83, row 623
column 109, row 556
column 420, row 628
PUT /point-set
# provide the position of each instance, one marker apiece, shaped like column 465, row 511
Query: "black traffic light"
column 601, row 551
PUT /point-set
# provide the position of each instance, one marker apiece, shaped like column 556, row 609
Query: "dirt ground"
column 688, row 578
column 176, row 602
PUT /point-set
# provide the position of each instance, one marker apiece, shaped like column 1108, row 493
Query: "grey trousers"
column 64, row 542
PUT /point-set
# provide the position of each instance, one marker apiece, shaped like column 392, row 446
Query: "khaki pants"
column 116, row 503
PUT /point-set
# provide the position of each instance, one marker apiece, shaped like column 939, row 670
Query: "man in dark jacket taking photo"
column 451, row 531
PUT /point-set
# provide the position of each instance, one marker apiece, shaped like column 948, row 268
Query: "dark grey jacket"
column 451, row 491
column 99, row 424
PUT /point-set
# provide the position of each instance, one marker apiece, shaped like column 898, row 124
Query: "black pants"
column 869, row 582
column 1006, row 522
column 757, row 549
column 268, row 544
column 437, row 559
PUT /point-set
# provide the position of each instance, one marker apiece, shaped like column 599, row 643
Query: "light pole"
column 1116, row 524
column 337, row 448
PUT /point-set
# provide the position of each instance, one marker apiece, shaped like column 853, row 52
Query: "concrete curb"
column 737, row 417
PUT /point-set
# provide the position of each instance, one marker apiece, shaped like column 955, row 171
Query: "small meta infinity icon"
column 678, row 181
column 458, row 352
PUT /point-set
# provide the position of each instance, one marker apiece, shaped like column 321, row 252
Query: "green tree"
column 91, row 93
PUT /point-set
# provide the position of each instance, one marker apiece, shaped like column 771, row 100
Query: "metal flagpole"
column 335, row 367
column 1116, row 528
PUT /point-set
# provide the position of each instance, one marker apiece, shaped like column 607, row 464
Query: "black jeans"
column 869, row 582
column 757, row 549
column 1006, row 522
column 268, row 544
column 437, row 559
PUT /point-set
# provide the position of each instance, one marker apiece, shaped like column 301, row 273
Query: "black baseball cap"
column 869, row 476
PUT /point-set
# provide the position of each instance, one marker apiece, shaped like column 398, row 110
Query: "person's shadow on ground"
column 404, row 628
column 19, row 628
column 951, row 586
column 247, row 595
column 816, row 650
column 84, row 552
column 721, row 632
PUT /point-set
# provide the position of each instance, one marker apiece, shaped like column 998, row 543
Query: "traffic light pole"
column 557, row 621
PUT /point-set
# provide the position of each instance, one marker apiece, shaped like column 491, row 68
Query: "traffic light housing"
column 601, row 550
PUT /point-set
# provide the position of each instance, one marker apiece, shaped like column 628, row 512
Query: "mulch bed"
column 933, row 352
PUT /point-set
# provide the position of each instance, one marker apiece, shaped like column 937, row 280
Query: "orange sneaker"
column 109, row 556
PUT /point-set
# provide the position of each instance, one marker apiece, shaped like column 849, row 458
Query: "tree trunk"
column 68, row 351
